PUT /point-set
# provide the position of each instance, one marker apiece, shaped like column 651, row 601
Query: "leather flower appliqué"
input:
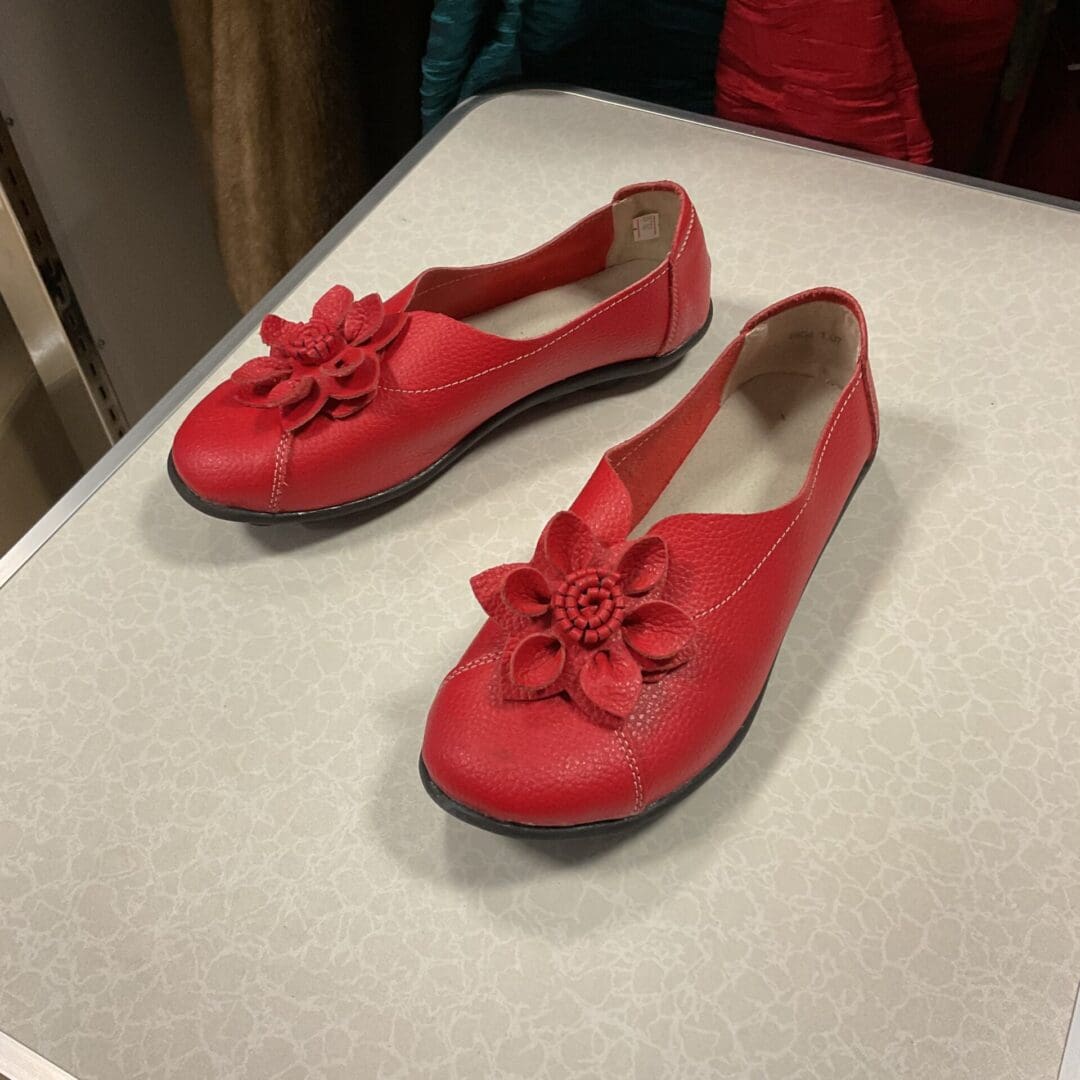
column 331, row 362
column 584, row 619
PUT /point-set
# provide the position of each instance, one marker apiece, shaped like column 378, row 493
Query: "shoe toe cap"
column 227, row 454
column 525, row 763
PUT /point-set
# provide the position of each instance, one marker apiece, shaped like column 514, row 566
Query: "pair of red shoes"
column 622, row 664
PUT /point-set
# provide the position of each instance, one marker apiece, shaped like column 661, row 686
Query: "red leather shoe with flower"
column 622, row 665
column 367, row 401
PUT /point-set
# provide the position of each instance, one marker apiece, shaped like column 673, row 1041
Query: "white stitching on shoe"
column 686, row 238
column 490, row 268
column 487, row 658
column 464, row 277
column 652, row 280
column 634, row 449
column 526, row 255
column 631, row 760
column 795, row 519
column 673, row 322
column 673, row 319
column 281, row 455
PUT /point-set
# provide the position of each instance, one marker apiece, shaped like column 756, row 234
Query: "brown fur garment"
column 275, row 92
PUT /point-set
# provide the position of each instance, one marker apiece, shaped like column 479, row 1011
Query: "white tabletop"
column 217, row 858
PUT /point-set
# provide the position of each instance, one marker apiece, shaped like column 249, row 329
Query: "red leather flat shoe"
column 366, row 401
column 623, row 663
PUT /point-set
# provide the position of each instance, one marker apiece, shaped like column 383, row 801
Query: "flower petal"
column 290, row 391
column 511, row 691
column 612, row 681
column 262, row 372
column 526, row 591
column 275, row 330
column 537, row 661
column 654, row 670
column 362, row 319
column 255, row 379
column 392, row 325
column 333, row 304
column 298, row 414
column 569, row 543
column 657, row 629
column 256, row 399
column 344, row 409
column 487, row 587
column 342, row 365
column 363, row 380
column 643, row 565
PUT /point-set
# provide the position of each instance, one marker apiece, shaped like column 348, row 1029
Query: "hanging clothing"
column 294, row 126
column 337, row 82
column 836, row 71
column 877, row 75
column 473, row 45
column 1044, row 91
column 958, row 50
column 658, row 50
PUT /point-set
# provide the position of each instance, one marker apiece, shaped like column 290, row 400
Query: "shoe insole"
column 755, row 454
column 542, row 312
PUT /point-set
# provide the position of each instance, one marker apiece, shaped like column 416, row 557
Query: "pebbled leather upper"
column 440, row 377
column 739, row 576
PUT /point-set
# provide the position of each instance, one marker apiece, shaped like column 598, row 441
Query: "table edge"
column 19, row 1062
column 1069, row 1069
column 803, row 142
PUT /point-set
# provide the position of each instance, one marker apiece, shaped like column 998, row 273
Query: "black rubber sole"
column 654, row 809
column 589, row 828
column 626, row 369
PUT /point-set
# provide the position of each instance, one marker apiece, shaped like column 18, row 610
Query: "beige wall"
column 37, row 464
column 102, row 129
column 98, row 116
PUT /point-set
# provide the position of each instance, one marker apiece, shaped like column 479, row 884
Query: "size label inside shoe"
column 646, row 226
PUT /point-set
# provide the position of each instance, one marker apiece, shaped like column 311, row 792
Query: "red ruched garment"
column 851, row 71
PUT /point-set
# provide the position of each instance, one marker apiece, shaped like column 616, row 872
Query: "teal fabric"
column 658, row 50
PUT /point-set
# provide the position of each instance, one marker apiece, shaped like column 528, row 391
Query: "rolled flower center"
column 314, row 342
column 589, row 605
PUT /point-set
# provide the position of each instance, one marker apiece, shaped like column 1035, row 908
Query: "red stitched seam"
column 280, row 456
column 487, row 658
column 674, row 320
column 631, row 760
column 686, row 238
column 656, row 276
column 871, row 405
column 465, row 277
column 525, row 255
column 673, row 317
column 795, row 519
column 634, row 449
